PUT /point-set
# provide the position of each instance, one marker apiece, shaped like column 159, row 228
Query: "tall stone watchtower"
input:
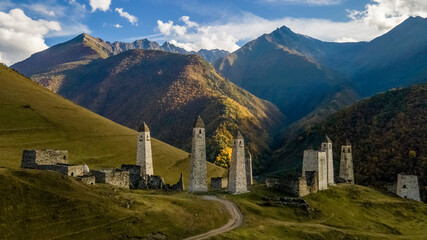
column 237, row 182
column 198, row 182
column 327, row 147
column 346, row 164
column 143, row 155
column 249, row 179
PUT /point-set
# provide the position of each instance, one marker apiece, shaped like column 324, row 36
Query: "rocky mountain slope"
column 84, row 48
column 168, row 91
column 297, row 72
column 387, row 132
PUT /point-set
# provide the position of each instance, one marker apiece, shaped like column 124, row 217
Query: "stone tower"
column 143, row 155
column 327, row 147
column 237, row 182
column 315, row 161
column 346, row 164
column 407, row 187
column 198, row 181
column 249, row 169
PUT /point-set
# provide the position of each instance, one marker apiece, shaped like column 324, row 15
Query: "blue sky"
column 28, row 26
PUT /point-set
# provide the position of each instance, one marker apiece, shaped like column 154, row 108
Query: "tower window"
column 200, row 131
column 72, row 174
column 404, row 186
column 65, row 157
column 343, row 150
column 349, row 150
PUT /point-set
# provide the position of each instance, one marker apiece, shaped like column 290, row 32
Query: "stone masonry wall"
column 144, row 156
column 198, row 172
column 114, row 177
column 327, row 147
column 346, row 165
column 237, row 182
column 32, row 158
column 218, row 183
column 134, row 174
column 248, row 164
column 407, row 187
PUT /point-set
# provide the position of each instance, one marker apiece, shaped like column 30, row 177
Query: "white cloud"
column 306, row 2
column 102, row 5
column 117, row 26
column 132, row 19
column 20, row 36
column 378, row 17
column 385, row 14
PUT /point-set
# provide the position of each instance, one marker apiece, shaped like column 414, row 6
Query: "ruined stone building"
column 346, row 164
column 198, row 172
column 248, row 164
column 315, row 161
column 144, row 155
column 53, row 160
column 218, row 183
column 112, row 176
column 326, row 147
column 237, row 182
column 299, row 187
column 407, row 187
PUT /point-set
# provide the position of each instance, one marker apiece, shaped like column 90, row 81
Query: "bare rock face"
column 198, row 181
column 237, row 182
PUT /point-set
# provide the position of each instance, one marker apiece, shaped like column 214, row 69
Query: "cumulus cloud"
column 117, row 25
column 132, row 19
column 102, row 5
column 20, row 36
column 378, row 17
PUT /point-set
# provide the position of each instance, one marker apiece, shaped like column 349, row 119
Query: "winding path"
column 235, row 221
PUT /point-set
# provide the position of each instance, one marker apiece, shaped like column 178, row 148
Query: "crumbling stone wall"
column 116, row 177
column 88, row 179
column 134, row 174
column 34, row 158
column 218, row 183
column 407, row 187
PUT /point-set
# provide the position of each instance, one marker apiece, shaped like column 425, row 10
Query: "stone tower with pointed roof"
column 346, row 163
column 237, row 181
column 198, row 181
column 327, row 147
column 143, row 155
column 249, row 178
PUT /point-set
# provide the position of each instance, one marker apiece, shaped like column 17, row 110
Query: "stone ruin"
column 315, row 161
column 346, row 164
column 198, row 173
column 53, row 160
column 407, row 187
column 299, row 187
column 237, row 181
column 219, row 183
column 112, row 176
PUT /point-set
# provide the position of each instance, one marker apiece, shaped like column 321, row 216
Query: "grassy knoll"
column 32, row 117
column 341, row 212
column 38, row 204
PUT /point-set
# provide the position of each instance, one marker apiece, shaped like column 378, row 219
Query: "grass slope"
column 32, row 117
column 38, row 204
column 341, row 212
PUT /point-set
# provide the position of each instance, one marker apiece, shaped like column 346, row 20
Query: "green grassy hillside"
column 32, row 117
column 341, row 212
column 42, row 205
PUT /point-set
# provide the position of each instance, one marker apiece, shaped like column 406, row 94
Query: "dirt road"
column 235, row 221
